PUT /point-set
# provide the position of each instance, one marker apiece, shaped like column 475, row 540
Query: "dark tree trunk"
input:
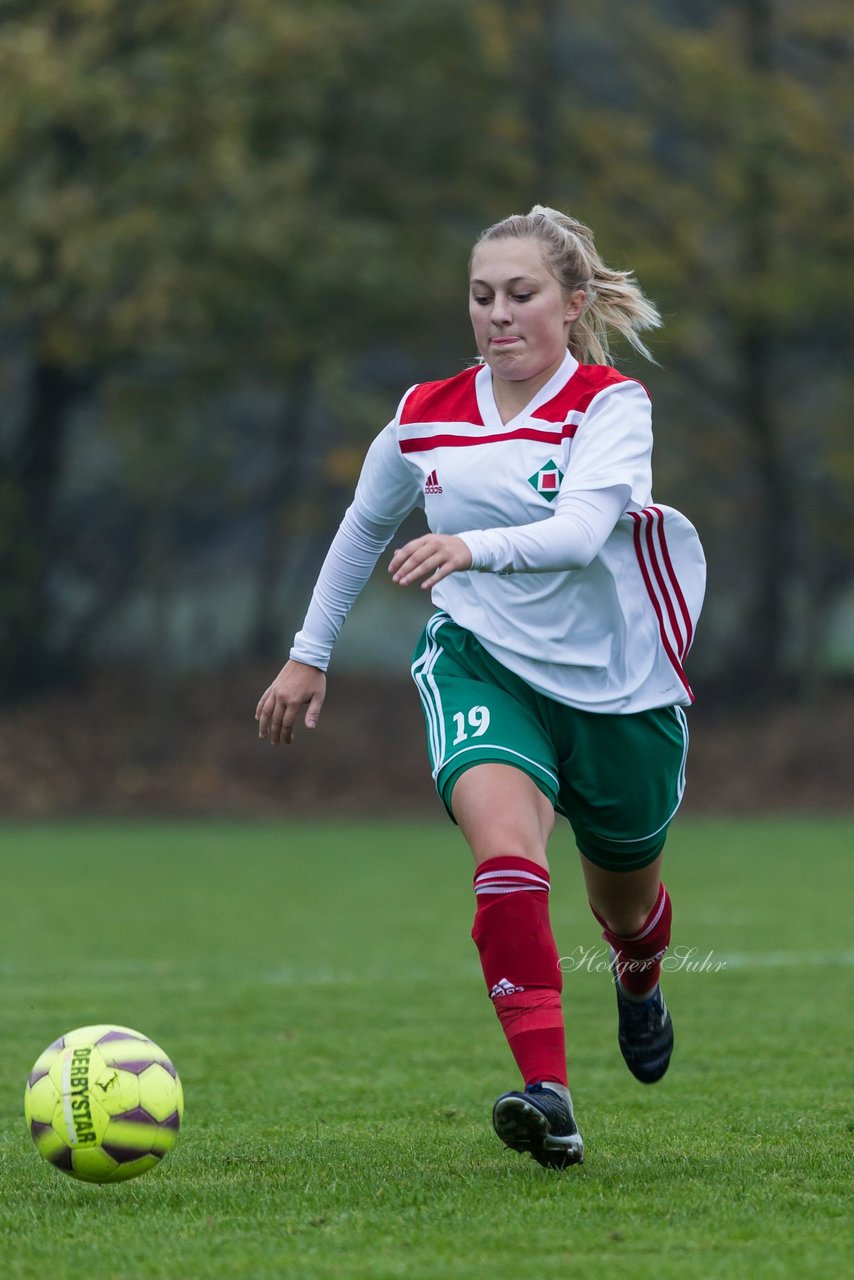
column 761, row 664
column 29, row 486
column 545, row 87
column 288, row 475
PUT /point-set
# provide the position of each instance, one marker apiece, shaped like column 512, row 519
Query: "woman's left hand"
column 431, row 557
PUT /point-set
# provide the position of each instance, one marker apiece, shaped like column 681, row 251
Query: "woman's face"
column 520, row 314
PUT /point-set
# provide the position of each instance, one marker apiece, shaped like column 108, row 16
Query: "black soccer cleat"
column 540, row 1121
column 645, row 1034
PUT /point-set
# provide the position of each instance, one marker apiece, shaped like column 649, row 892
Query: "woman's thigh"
column 502, row 813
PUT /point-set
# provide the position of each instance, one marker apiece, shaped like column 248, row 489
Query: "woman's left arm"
column 572, row 537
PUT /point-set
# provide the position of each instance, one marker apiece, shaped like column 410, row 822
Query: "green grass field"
column 317, row 989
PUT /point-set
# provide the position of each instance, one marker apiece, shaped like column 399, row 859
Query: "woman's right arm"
column 388, row 486
column 301, row 683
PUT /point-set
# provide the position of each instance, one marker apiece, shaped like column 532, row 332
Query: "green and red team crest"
column 547, row 480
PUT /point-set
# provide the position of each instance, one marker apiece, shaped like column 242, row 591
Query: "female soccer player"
column 551, row 674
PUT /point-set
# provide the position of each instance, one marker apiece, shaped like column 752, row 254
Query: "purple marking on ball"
column 38, row 1128
column 62, row 1159
column 35, row 1076
column 171, row 1122
column 136, row 1068
column 139, row 1115
column 123, row 1155
column 122, row 1035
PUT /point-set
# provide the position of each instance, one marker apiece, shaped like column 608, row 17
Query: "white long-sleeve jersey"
column 580, row 584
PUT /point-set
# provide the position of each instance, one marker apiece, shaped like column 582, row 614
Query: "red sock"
column 520, row 963
column 639, row 957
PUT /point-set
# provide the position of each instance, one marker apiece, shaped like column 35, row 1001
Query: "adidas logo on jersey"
column 432, row 485
column 503, row 988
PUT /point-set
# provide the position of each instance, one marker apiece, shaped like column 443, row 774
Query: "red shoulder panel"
column 451, row 400
column 587, row 381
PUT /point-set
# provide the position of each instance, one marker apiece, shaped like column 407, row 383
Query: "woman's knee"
column 622, row 900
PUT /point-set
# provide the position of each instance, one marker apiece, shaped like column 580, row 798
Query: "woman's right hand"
column 296, row 686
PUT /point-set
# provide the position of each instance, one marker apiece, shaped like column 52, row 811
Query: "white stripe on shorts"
column 422, row 674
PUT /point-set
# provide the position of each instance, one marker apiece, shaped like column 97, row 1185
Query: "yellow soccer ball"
column 103, row 1104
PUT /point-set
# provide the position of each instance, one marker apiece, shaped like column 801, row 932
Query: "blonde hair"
column 614, row 298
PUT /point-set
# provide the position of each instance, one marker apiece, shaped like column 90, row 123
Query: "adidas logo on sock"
column 503, row 988
column 432, row 485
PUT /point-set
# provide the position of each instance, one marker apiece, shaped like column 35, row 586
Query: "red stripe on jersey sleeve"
column 451, row 400
column 640, row 519
column 671, row 572
column 662, row 585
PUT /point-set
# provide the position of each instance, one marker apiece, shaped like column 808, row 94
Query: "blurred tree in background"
column 234, row 235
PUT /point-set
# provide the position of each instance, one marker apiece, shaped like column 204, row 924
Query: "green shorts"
column 619, row 779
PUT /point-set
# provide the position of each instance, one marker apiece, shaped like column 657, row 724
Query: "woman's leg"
column 634, row 909
column 507, row 822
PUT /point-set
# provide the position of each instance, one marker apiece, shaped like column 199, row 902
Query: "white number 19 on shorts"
column 477, row 719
